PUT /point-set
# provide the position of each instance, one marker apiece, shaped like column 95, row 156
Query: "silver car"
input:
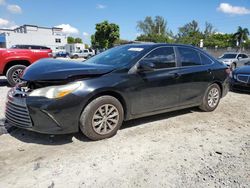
column 234, row 59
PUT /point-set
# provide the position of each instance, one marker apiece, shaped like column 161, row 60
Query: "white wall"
column 35, row 38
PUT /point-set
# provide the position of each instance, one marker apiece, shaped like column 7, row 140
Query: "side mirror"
column 239, row 58
column 146, row 66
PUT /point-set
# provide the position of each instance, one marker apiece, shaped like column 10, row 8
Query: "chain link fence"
column 216, row 52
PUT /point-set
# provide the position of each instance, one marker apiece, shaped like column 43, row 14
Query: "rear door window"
column 189, row 57
column 243, row 56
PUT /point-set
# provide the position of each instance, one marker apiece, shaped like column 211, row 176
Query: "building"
column 71, row 48
column 33, row 35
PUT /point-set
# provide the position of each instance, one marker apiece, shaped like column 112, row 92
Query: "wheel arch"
column 220, row 85
column 114, row 94
column 15, row 62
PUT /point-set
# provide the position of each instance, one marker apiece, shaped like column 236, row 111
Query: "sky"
column 78, row 17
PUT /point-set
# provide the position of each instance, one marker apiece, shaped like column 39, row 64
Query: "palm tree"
column 241, row 35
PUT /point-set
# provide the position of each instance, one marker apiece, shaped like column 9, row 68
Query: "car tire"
column 211, row 98
column 75, row 56
column 13, row 74
column 101, row 118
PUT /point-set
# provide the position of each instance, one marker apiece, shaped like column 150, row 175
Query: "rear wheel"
column 75, row 56
column 101, row 118
column 211, row 98
column 14, row 73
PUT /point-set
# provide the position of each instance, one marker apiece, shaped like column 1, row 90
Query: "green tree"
column 70, row 40
column 247, row 44
column 154, row 38
column 86, row 46
column 78, row 40
column 121, row 42
column 105, row 36
column 219, row 39
column 189, row 34
column 189, row 28
column 209, row 29
column 241, row 35
column 154, row 30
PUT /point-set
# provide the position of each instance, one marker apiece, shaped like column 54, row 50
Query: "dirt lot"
column 187, row 148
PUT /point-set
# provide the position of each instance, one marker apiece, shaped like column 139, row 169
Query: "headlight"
column 227, row 61
column 54, row 92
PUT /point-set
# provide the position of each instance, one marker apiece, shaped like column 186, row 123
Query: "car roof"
column 154, row 45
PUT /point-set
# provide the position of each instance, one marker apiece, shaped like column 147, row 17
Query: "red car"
column 14, row 61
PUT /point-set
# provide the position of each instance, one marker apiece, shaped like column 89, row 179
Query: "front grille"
column 243, row 78
column 17, row 113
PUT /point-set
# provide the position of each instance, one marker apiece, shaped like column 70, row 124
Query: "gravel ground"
column 187, row 148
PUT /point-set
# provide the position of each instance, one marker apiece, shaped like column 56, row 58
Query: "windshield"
column 117, row 56
column 229, row 56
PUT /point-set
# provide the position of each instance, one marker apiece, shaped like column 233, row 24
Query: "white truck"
column 86, row 53
column 234, row 59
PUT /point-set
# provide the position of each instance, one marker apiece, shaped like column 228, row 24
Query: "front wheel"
column 211, row 98
column 14, row 73
column 101, row 118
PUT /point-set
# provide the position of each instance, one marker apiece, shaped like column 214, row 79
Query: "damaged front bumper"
column 43, row 115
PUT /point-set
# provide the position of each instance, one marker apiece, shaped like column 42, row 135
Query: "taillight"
column 231, row 74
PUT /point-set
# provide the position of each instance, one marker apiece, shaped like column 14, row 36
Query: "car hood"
column 242, row 70
column 59, row 70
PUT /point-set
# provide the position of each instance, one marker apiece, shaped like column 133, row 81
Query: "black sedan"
column 240, row 79
column 120, row 84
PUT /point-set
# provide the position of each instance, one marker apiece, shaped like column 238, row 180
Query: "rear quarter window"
column 205, row 60
column 189, row 57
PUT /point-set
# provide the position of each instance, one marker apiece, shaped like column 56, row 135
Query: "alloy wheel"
column 213, row 97
column 105, row 119
column 16, row 75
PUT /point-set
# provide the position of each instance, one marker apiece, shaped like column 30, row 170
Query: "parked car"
column 122, row 83
column 61, row 54
column 86, row 53
column 34, row 47
column 14, row 61
column 91, row 52
column 240, row 79
column 234, row 60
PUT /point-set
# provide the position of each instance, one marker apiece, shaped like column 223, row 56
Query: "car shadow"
column 240, row 92
column 3, row 82
column 44, row 139
column 158, row 117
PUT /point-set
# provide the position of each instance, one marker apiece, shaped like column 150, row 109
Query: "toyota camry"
column 122, row 83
